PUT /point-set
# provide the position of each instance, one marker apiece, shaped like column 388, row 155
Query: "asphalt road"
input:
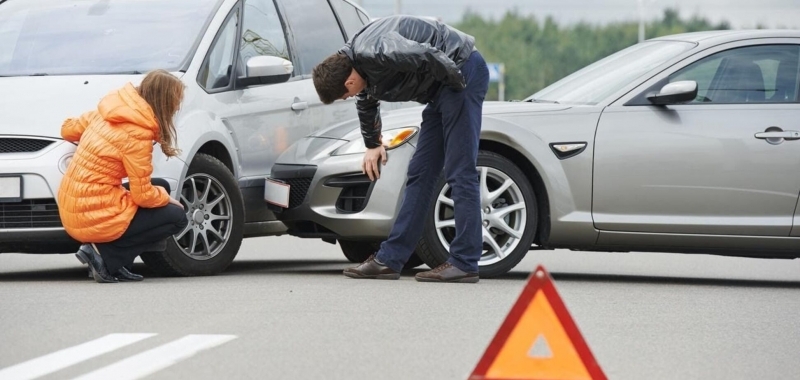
column 284, row 311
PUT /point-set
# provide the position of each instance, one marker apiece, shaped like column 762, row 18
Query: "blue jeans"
column 449, row 137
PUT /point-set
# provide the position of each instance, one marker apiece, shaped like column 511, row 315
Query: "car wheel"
column 211, row 240
column 509, row 218
column 359, row 251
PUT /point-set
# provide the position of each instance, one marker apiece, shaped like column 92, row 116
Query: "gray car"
column 686, row 143
column 247, row 68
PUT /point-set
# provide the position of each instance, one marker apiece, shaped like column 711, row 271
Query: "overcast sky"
column 740, row 13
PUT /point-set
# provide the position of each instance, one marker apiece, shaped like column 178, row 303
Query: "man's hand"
column 175, row 202
column 370, row 166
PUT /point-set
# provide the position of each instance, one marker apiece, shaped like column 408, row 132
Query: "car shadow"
column 57, row 274
column 304, row 267
column 671, row 280
column 335, row 267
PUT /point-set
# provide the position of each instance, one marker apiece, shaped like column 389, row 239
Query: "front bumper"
column 330, row 197
column 33, row 224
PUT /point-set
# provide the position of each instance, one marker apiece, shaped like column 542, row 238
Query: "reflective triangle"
column 538, row 340
column 513, row 361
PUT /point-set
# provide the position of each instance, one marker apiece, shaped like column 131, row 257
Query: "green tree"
column 537, row 53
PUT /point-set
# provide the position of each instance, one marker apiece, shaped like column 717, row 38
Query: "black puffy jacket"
column 404, row 58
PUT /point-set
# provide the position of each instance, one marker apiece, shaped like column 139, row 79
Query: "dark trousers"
column 149, row 225
column 449, row 137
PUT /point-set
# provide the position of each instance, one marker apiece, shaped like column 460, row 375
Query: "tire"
column 359, row 251
column 208, row 247
column 433, row 248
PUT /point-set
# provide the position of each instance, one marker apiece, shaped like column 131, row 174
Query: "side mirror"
column 265, row 69
column 675, row 93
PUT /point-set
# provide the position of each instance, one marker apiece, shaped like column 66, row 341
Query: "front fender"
column 568, row 182
column 194, row 131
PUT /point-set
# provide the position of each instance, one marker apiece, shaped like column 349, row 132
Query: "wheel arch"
column 217, row 150
column 534, row 178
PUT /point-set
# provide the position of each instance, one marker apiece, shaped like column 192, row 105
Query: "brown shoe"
column 447, row 273
column 371, row 269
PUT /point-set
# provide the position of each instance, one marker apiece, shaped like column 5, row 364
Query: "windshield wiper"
column 39, row 75
column 532, row 100
column 132, row 72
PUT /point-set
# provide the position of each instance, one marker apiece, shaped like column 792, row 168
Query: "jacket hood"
column 127, row 106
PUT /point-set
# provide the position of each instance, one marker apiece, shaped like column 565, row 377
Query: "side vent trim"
column 564, row 150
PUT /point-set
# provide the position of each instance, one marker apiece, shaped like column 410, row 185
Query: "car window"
column 755, row 74
column 215, row 73
column 348, row 15
column 262, row 32
column 599, row 80
column 56, row 37
column 316, row 32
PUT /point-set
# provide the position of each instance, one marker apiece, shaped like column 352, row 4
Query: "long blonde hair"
column 164, row 92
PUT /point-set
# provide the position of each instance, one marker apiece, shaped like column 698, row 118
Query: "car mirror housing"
column 675, row 93
column 265, row 69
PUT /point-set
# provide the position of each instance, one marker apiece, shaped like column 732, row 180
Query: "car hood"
column 37, row 106
column 413, row 116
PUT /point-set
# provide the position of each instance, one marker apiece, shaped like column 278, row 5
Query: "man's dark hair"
column 330, row 75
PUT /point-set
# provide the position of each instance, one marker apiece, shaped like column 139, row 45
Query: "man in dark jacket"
column 404, row 58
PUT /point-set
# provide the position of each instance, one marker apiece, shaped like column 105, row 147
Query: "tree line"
column 537, row 53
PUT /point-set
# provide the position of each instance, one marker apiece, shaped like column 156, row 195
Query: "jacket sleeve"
column 137, row 159
column 410, row 56
column 72, row 128
column 369, row 115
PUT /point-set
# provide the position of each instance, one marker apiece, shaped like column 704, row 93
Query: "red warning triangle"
column 538, row 340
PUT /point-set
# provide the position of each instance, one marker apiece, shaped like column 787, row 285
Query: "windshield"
column 595, row 82
column 57, row 37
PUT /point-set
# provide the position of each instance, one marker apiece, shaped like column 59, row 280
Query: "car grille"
column 15, row 145
column 356, row 189
column 298, row 190
column 298, row 177
column 353, row 199
column 34, row 213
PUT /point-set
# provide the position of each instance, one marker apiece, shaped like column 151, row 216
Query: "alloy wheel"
column 503, row 214
column 208, row 208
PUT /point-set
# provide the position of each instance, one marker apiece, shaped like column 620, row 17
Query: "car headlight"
column 391, row 139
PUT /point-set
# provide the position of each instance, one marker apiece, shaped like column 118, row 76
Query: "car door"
column 317, row 32
column 270, row 116
column 705, row 167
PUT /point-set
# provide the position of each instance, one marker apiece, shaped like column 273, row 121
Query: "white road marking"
column 59, row 360
column 151, row 361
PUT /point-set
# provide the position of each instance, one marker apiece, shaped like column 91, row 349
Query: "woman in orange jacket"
column 116, row 141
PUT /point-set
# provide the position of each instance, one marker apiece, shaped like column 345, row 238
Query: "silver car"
column 687, row 143
column 246, row 65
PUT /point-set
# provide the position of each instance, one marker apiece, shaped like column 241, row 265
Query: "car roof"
column 721, row 36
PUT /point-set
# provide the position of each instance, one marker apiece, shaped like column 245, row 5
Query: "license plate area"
column 10, row 189
column 277, row 192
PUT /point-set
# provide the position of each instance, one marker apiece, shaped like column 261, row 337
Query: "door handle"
column 786, row 135
column 299, row 106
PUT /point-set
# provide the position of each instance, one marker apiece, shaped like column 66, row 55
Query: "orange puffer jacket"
column 115, row 141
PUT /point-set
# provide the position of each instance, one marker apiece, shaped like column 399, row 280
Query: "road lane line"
column 59, row 360
column 156, row 359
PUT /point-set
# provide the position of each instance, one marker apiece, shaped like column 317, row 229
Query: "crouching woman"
column 118, row 223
